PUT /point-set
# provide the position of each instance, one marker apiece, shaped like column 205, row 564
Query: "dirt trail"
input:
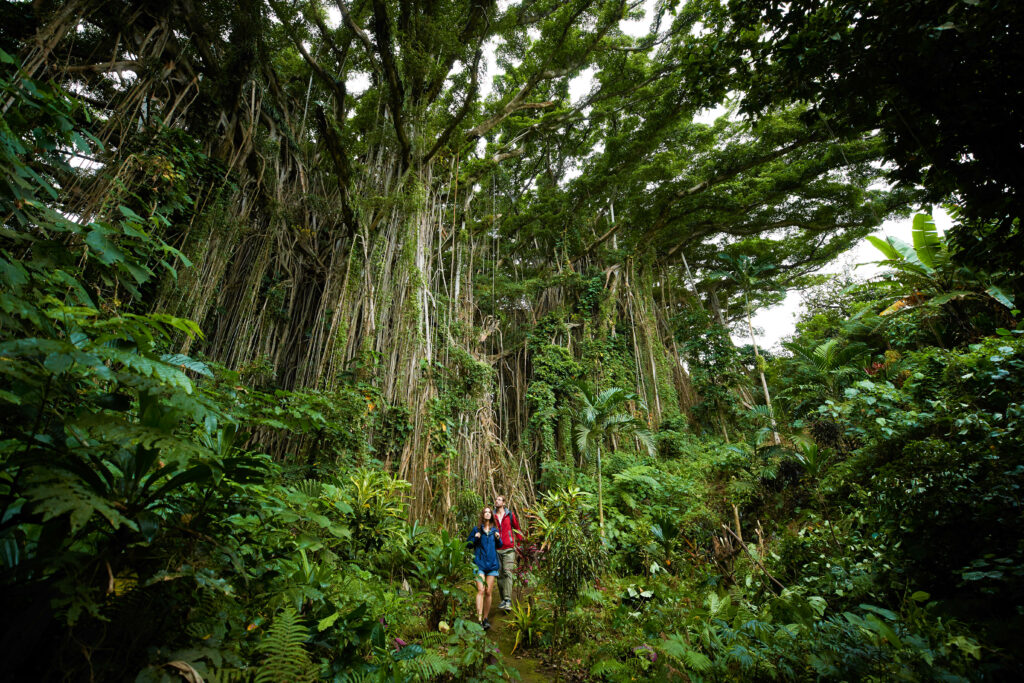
column 530, row 669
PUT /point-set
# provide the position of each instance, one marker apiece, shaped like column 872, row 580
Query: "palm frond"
column 615, row 421
column 825, row 354
column 761, row 411
column 583, row 433
column 647, row 439
column 611, row 397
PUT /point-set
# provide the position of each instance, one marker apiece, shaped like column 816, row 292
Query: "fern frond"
column 608, row 667
column 427, row 665
column 285, row 657
column 432, row 639
column 58, row 494
column 214, row 675
column 357, row 677
column 697, row 661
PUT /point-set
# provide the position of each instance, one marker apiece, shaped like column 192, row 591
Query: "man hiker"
column 508, row 526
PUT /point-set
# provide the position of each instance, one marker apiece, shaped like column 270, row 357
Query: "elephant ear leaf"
column 927, row 243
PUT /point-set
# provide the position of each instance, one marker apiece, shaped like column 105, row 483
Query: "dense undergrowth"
column 167, row 518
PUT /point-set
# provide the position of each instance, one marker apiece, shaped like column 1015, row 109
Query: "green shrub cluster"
column 146, row 534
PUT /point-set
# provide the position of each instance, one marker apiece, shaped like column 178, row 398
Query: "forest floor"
column 531, row 669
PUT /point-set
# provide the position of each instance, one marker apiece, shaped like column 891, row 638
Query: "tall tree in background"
column 417, row 231
column 743, row 271
column 602, row 416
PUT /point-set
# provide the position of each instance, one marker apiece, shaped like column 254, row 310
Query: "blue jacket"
column 485, row 548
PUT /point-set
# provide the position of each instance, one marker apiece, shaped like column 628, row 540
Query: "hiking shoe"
column 506, row 605
column 486, row 624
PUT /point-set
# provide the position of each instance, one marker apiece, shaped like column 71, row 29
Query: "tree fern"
column 286, row 660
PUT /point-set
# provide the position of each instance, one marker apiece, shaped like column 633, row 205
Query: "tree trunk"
column 764, row 382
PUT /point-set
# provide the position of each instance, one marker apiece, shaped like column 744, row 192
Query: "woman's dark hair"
column 481, row 521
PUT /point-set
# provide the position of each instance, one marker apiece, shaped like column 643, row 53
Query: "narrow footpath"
column 531, row 670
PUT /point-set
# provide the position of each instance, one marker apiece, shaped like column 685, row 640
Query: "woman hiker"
column 485, row 540
column 508, row 527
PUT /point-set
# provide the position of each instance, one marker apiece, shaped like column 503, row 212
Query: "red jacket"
column 505, row 526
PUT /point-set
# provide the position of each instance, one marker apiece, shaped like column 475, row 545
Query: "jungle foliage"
column 290, row 290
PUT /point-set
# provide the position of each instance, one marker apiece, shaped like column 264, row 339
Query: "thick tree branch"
column 346, row 16
column 664, row 214
column 396, row 92
column 516, row 104
column 106, row 67
column 472, row 33
column 342, row 165
column 602, row 239
column 340, row 52
column 471, row 93
column 338, row 87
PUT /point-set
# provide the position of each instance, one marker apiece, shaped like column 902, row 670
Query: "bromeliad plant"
column 531, row 624
column 378, row 509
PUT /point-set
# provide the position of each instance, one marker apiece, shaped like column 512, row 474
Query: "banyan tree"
column 471, row 205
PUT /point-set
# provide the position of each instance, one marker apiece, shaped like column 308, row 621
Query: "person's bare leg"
column 480, row 588
column 488, row 592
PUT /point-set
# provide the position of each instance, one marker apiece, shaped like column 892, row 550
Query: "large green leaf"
column 946, row 297
column 183, row 361
column 927, row 243
column 102, row 247
column 1000, row 295
column 909, row 255
column 900, row 256
column 884, row 247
